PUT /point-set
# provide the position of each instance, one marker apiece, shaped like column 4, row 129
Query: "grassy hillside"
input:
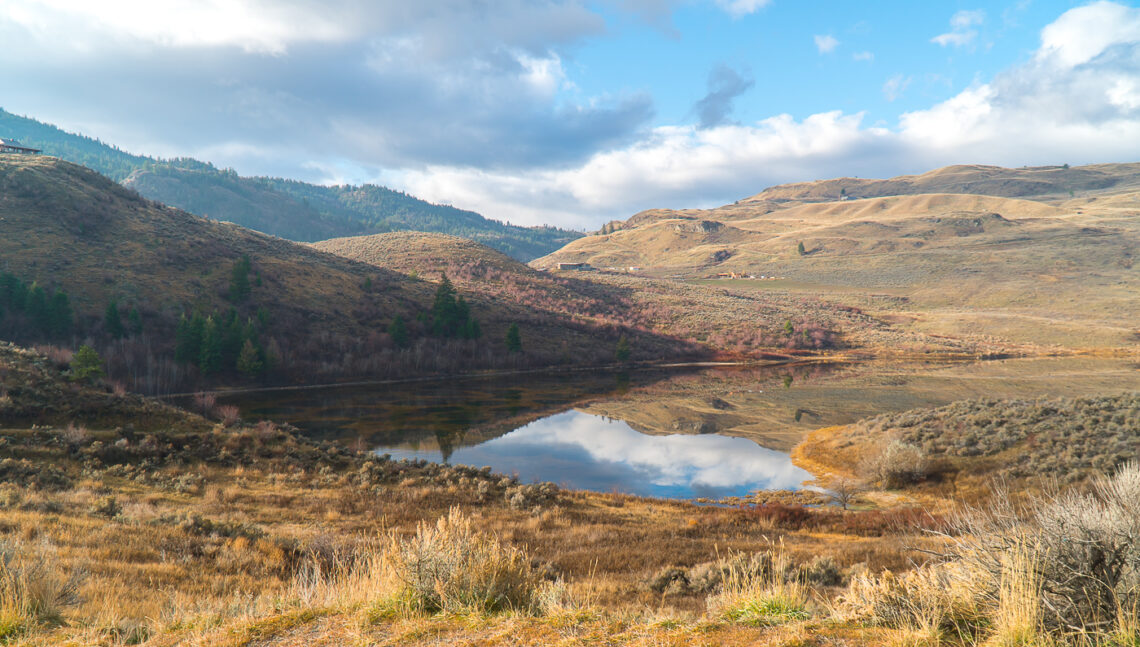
column 740, row 324
column 310, row 315
column 286, row 208
column 1037, row 182
column 1054, row 271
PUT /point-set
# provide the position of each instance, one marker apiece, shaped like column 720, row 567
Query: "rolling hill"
column 311, row 315
column 280, row 207
column 1046, row 268
column 737, row 324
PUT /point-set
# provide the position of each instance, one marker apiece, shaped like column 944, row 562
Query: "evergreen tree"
column 514, row 341
column 239, row 280
column 112, row 323
column 210, row 353
column 134, row 319
column 188, row 339
column 398, row 332
column 233, row 334
column 36, row 306
column 61, row 318
column 249, row 360
column 788, row 328
column 800, row 248
column 622, row 352
column 444, row 310
column 86, row 365
column 450, row 314
column 13, row 292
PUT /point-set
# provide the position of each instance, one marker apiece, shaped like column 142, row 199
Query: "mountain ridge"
column 290, row 209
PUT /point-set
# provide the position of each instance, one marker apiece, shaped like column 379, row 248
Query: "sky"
column 577, row 112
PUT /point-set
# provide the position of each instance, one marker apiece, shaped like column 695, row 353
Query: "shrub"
column 898, row 464
column 1084, row 549
column 451, row 567
column 32, row 591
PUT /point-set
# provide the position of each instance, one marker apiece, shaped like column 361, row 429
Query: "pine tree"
column 800, row 248
column 36, row 306
column 514, row 341
column 61, row 317
column 86, row 365
column 210, row 354
column 112, row 323
column 398, row 332
column 622, row 352
column 135, row 321
column 249, row 360
column 188, row 339
column 239, row 280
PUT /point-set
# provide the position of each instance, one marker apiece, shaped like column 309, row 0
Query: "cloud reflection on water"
column 585, row 451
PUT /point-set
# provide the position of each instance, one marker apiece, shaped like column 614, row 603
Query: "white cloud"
column 1080, row 35
column 863, row 56
column 895, row 86
column 739, row 8
column 1071, row 102
column 961, row 33
column 826, row 43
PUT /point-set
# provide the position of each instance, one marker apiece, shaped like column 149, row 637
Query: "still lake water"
column 528, row 427
column 589, row 452
column 678, row 434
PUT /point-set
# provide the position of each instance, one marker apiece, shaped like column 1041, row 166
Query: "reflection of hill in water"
column 773, row 406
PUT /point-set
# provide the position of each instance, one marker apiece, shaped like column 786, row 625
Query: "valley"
column 646, row 449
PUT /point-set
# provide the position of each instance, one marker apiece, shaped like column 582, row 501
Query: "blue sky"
column 575, row 112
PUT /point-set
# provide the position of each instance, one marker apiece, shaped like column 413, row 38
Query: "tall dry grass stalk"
column 32, row 589
column 929, row 600
column 763, row 591
column 1018, row 620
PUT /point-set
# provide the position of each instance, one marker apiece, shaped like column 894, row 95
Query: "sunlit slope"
column 1055, row 271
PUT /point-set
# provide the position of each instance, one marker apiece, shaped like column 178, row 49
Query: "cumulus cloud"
column 476, row 107
column 1077, row 100
column 389, row 84
column 961, row 28
column 724, row 86
column 826, row 43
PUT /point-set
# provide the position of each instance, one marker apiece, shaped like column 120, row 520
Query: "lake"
column 693, row 433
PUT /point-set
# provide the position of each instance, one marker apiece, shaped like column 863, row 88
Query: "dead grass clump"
column 449, row 566
column 32, row 590
column 938, row 596
column 761, row 591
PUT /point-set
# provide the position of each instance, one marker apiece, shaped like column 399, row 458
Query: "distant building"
column 580, row 267
column 13, row 146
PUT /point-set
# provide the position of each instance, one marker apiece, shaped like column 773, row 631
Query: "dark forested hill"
column 286, row 208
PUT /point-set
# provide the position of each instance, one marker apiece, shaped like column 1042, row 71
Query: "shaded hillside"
column 745, row 324
column 285, row 208
column 309, row 315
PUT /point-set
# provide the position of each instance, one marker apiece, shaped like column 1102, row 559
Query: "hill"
column 280, row 207
column 1037, row 182
column 308, row 315
column 1054, row 270
column 737, row 324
